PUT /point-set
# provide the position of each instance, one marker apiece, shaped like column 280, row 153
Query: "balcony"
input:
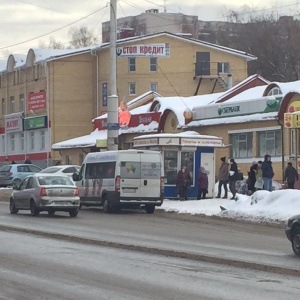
column 207, row 69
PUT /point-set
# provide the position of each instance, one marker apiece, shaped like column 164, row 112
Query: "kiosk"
column 186, row 148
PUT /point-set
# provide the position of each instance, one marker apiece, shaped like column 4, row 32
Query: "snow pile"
column 263, row 206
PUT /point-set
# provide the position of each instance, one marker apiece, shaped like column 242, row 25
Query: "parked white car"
column 68, row 170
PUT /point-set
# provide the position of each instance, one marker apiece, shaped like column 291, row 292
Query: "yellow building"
column 48, row 96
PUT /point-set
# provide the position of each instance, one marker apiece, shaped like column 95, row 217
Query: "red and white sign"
column 36, row 101
column 153, row 50
column 13, row 123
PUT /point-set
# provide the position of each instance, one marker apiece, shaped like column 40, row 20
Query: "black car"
column 292, row 232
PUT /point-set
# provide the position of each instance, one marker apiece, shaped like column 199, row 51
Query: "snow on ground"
column 263, row 206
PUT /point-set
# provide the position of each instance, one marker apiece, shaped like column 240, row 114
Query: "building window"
column 153, row 64
column 131, row 63
column 12, row 143
column 170, row 165
column 275, row 91
column 241, row 145
column 43, row 140
column 269, row 142
column 223, row 67
column 3, row 112
column 132, row 88
column 153, row 86
column 12, row 104
column 22, row 102
column 36, row 72
column 22, row 141
column 32, row 140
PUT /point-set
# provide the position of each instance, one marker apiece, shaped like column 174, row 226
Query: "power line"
column 45, row 34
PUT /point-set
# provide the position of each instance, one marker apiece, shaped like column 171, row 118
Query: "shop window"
column 131, row 63
column 171, row 166
column 43, row 140
column 269, row 142
column 31, row 140
column 187, row 159
column 22, row 141
column 241, row 145
column 12, row 141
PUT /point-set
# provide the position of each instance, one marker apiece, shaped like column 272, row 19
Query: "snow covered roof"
column 288, row 87
column 235, row 52
column 82, row 141
column 186, row 134
column 52, row 54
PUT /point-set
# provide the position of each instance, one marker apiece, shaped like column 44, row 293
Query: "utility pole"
column 112, row 105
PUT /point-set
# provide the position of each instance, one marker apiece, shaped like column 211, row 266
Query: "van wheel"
column 106, row 206
column 149, row 209
column 74, row 212
column 33, row 209
column 12, row 207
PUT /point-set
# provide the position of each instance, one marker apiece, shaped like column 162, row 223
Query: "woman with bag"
column 259, row 184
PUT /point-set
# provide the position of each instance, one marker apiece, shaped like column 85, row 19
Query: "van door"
column 130, row 176
column 150, row 176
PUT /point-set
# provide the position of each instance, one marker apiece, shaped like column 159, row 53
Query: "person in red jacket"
column 202, row 180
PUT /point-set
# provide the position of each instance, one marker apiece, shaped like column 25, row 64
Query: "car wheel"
column 149, row 209
column 33, row 209
column 74, row 212
column 106, row 206
column 51, row 212
column 12, row 207
column 296, row 241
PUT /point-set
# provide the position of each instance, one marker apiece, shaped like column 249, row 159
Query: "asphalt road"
column 36, row 268
column 232, row 243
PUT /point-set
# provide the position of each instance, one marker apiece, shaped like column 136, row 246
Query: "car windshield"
column 55, row 180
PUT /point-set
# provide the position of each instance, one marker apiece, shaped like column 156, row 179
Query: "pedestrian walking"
column 202, row 180
column 267, row 173
column 290, row 175
column 252, row 177
column 223, row 178
column 259, row 184
column 233, row 177
column 183, row 181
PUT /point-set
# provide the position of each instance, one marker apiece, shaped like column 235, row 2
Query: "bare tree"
column 53, row 44
column 81, row 37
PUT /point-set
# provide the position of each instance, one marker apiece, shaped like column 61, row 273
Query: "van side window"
column 100, row 170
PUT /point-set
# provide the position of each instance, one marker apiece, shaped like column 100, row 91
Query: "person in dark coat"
column 233, row 177
column 290, row 175
column 252, row 177
column 223, row 178
column 267, row 173
column 202, row 180
column 183, row 181
column 27, row 161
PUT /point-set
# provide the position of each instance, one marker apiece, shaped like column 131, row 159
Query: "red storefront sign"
column 135, row 120
column 36, row 101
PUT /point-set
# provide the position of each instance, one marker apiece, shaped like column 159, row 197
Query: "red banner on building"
column 135, row 120
column 36, row 101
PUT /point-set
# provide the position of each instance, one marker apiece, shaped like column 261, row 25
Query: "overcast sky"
column 26, row 22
